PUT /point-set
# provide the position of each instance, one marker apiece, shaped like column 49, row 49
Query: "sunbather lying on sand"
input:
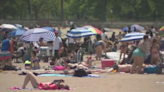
column 84, row 65
column 117, row 68
column 56, row 84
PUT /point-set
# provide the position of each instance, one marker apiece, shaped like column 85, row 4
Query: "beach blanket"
column 19, row 88
column 62, row 75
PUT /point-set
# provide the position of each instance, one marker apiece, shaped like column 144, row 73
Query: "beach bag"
column 58, row 68
column 80, row 73
column 151, row 69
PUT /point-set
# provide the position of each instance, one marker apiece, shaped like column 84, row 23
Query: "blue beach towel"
column 62, row 75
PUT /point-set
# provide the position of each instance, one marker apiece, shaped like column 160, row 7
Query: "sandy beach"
column 114, row 82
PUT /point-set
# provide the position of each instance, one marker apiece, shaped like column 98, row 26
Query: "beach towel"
column 62, row 75
column 58, row 68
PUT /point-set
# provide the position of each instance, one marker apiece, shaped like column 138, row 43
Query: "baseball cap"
column 56, row 32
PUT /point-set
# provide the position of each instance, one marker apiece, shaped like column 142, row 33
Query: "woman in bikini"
column 55, row 85
column 99, row 47
column 139, row 55
column 124, row 47
column 34, row 61
column 154, row 50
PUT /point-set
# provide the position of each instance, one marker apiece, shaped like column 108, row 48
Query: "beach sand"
column 114, row 82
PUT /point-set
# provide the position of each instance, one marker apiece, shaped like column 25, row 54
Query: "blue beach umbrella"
column 49, row 28
column 17, row 32
column 125, row 29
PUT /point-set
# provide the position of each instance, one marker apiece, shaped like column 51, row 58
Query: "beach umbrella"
column 18, row 26
column 162, row 28
column 33, row 35
column 107, row 30
column 21, row 26
column 49, row 28
column 8, row 27
column 93, row 29
column 133, row 36
column 17, row 32
column 79, row 32
column 125, row 29
column 137, row 27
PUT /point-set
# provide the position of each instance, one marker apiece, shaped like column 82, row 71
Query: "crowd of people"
column 69, row 53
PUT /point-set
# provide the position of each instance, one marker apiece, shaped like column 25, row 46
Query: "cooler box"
column 107, row 63
column 46, row 51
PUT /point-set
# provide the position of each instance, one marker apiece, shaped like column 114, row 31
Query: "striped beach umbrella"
column 162, row 28
column 134, row 36
column 93, row 29
column 79, row 32
column 33, row 35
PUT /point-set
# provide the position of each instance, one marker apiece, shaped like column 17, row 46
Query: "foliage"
column 83, row 9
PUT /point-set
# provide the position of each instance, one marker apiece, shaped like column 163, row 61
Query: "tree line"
column 97, row 10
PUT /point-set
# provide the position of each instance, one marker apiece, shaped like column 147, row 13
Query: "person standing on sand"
column 57, row 44
column 124, row 48
column 139, row 54
column 99, row 47
column 154, row 50
column 104, row 35
column 6, row 52
column 119, row 36
column 158, row 38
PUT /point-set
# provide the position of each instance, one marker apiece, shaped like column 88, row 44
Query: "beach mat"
column 62, row 75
